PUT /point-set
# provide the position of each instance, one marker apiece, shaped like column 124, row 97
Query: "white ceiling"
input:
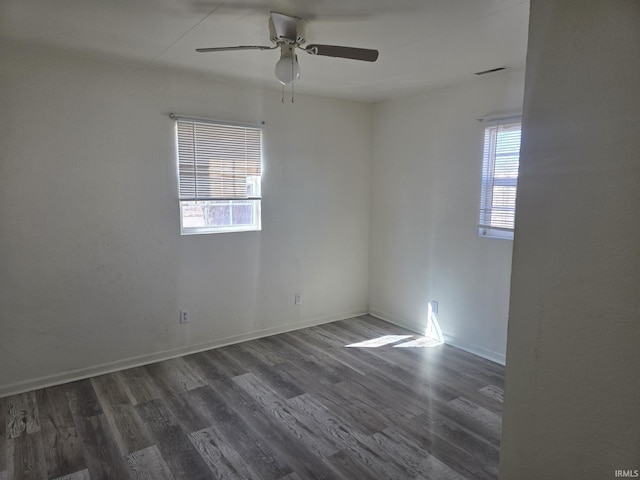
column 423, row 44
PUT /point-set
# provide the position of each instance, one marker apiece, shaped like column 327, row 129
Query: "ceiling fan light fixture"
column 287, row 69
column 289, row 33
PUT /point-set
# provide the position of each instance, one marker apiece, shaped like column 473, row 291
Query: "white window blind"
column 219, row 176
column 215, row 161
column 501, row 159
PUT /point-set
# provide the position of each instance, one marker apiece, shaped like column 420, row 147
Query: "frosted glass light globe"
column 287, row 70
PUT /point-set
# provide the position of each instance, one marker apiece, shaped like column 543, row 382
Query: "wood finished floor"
column 300, row 405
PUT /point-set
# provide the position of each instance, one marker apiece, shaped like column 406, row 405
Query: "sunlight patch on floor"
column 433, row 331
column 380, row 341
column 432, row 337
column 412, row 341
column 421, row 342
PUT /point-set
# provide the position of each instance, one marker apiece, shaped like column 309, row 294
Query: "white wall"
column 426, row 175
column 572, row 404
column 93, row 268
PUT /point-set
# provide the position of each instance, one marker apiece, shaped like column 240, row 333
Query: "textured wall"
column 94, row 270
column 426, row 179
column 573, row 356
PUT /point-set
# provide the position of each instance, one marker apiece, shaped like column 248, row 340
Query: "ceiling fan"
column 289, row 33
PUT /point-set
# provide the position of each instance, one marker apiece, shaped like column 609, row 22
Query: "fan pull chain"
column 283, row 93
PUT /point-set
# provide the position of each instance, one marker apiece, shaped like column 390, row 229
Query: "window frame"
column 488, row 227
column 250, row 173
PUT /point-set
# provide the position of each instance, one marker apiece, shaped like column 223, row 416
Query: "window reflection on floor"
column 380, row 341
column 401, row 341
column 432, row 338
column 421, row 342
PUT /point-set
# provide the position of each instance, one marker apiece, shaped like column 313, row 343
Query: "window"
column 499, row 179
column 219, row 171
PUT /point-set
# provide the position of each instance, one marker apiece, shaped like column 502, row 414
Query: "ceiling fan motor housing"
column 292, row 32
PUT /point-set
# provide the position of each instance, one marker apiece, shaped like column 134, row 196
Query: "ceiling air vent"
column 490, row 71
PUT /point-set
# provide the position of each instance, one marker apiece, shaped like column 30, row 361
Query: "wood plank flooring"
column 300, row 405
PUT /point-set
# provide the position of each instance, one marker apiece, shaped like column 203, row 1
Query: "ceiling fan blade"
column 240, row 47
column 284, row 26
column 364, row 54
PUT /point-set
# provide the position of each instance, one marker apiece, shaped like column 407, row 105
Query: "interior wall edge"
column 110, row 367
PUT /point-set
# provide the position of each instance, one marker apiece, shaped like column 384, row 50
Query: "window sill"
column 209, row 230
column 499, row 234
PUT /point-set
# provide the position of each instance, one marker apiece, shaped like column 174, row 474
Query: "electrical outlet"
column 184, row 316
column 298, row 298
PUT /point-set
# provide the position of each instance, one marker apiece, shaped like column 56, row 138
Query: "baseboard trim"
column 387, row 317
column 110, row 367
column 495, row 357
column 448, row 339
